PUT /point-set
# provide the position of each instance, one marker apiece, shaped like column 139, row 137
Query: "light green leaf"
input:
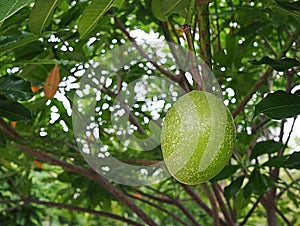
column 156, row 6
column 91, row 15
column 10, row 7
column 41, row 14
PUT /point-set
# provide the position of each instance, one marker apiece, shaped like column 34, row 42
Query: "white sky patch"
column 140, row 36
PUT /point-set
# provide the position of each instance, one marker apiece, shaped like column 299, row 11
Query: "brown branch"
column 213, row 203
column 89, row 173
column 80, row 209
column 246, row 99
column 197, row 199
column 177, row 203
column 161, row 209
column 217, row 193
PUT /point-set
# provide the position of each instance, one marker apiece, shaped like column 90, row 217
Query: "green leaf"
column 25, row 40
column 91, row 15
column 164, row 8
column 266, row 147
column 291, row 7
column 226, row 172
column 286, row 161
column 156, row 6
column 278, row 65
column 7, row 175
column 9, row 7
column 279, row 105
column 41, row 14
column 233, row 188
column 14, row 111
column 2, row 139
column 258, row 184
column 119, row 4
column 15, row 88
column 293, row 162
column 276, row 161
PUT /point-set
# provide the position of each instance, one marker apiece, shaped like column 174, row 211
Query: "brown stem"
column 80, row 209
column 217, row 193
column 161, row 209
column 177, row 203
column 213, row 204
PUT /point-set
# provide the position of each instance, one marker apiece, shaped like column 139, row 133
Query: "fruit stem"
column 192, row 57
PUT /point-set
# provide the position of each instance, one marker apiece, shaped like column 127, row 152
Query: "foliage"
column 253, row 49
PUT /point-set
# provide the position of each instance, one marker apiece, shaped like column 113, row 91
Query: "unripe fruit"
column 197, row 137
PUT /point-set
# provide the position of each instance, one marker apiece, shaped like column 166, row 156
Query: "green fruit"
column 197, row 137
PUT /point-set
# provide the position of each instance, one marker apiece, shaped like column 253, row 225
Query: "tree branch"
column 80, row 209
column 89, row 173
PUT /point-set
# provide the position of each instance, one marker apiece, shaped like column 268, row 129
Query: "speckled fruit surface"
column 197, row 137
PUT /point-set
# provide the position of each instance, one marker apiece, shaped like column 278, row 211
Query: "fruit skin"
column 197, row 137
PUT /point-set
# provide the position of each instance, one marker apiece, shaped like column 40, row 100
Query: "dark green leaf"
column 258, row 184
column 233, row 188
column 266, row 147
column 292, row 7
column 2, row 139
column 6, row 175
column 9, row 7
column 15, row 88
column 226, row 172
column 25, row 40
column 241, row 201
column 276, row 161
column 41, row 14
column 91, row 15
column 14, row 111
column 293, row 162
column 278, row 65
column 279, row 105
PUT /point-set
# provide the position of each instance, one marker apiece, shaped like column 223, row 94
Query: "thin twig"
column 249, row 213
column 143, row 53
